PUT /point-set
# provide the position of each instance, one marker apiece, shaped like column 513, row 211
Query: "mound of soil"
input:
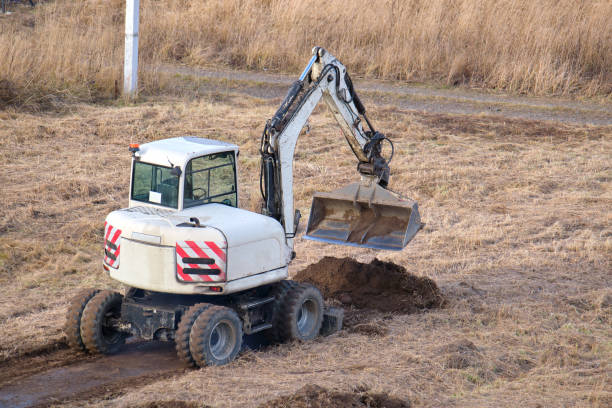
column 460, row 354
column 313, row 396
column 371, row 329
column 382, row 286
column 171, row 404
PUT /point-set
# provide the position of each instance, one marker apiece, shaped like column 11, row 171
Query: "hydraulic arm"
column 356, row 214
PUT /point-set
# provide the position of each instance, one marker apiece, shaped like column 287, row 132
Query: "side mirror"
column 176, row 171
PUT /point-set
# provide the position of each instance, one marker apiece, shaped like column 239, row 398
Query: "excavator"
column 202, row 272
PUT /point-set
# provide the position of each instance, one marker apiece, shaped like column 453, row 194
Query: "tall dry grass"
column 60, row 48
column 543, row 47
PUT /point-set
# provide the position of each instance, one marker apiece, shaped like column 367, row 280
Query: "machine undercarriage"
column 107, row 318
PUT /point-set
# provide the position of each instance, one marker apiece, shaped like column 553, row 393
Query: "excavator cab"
column 365, row 215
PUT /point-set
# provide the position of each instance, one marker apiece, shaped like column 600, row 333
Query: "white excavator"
column 202, row 272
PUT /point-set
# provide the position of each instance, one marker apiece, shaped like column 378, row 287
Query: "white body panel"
column 256, row 247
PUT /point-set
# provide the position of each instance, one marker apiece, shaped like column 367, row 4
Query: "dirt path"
column 412, row 97
column 56, row 374
column 78, row 377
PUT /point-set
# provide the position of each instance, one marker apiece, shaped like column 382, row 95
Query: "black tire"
column 72, row 327
column 301, row 314
column 98, row 337
column 279, row 291
column 181, row 338
column 216, row 336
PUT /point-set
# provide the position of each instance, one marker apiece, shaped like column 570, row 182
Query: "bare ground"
column 48, row 378
column 518, row 239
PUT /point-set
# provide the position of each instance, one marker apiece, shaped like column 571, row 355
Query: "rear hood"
column 165, row 227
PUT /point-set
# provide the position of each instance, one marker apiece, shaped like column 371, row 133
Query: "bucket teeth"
column 363, row 215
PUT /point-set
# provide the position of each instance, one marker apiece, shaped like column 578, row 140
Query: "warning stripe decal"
column 218, row 251
column 180, row 265
column 106, row 232
column 201, row 254
column 182, row 276
column 112, row 245
column 201, row 249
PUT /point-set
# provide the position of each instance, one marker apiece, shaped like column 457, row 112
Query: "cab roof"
column 179, row 150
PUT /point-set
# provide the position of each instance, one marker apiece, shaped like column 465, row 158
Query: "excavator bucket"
column 364, row 215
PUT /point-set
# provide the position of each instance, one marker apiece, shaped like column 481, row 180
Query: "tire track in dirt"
column 56, row 374
column 50, row 377
column 33, row 361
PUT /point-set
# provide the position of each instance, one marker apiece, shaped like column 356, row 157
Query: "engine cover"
column 227, row 248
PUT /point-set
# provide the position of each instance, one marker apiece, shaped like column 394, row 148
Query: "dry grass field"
column 518, row 236
column 73, row 49
column 518, row 212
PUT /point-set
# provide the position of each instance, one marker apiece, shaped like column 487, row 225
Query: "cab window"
column 211, row 179
column 154, row 184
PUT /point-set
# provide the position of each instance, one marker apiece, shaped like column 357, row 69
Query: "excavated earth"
column 378, row 285
column 313, row 396
column 171, row 404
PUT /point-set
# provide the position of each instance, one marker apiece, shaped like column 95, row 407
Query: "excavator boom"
column 364, row 214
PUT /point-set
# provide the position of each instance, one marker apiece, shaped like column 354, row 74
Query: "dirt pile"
column 382, row 286
column 372, row 329
column 170, row 404
column 461, row 354
column 313, row 396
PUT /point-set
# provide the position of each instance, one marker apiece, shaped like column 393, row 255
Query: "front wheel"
column 99, row 321
column 216, row 336
column 301, row 314
column 72, row 327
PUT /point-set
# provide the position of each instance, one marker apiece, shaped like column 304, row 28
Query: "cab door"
column 211, row 179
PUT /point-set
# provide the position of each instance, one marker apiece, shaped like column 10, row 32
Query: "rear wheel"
column 183, row 332
column 98, row 323
column 301, row 314
column 216, row 336
column 72, row 327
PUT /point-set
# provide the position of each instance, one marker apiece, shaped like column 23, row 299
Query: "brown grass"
column 59, row 50
column 75, row 49
column 518, row 238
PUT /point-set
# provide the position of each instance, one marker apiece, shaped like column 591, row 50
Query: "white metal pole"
column 130, row 62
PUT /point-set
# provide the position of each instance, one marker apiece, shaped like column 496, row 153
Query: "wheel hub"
column 222, row 340
column 307, row 316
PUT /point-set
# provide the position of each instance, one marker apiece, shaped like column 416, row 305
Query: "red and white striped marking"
column 201, row 249
column 112, row 235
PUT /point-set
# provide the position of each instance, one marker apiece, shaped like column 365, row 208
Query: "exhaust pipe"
column 363, row 215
